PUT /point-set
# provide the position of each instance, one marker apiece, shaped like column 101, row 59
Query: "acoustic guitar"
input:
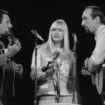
column 9, row 72
column 8, row 82
column 96, row 76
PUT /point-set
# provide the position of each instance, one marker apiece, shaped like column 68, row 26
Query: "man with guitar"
column 93, row 20
column 6, row 54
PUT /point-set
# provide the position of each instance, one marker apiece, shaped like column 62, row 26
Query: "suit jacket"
column 3, row 63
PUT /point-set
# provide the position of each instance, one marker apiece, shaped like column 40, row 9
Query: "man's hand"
column 12, row 50
column 90, row 65
column 18, row 69
column 85, row 72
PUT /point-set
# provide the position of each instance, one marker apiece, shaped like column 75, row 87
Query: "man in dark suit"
column 13, row 48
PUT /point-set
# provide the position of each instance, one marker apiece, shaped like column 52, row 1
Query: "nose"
column 83, row 23
column 55, row 32
column 10, row 25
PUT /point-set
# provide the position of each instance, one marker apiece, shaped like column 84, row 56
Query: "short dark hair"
column 1, row 14
column 97, row 11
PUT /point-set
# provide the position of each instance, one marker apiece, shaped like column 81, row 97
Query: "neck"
column 57, row 44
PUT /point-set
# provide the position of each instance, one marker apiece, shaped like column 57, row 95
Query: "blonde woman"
column 55, row 67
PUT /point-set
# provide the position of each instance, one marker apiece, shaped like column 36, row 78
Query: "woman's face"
column 57, row 34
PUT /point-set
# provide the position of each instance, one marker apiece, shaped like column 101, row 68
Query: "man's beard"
column 87, row 30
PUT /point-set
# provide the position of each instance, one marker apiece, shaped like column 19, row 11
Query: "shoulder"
column 43, row 48
column 71, row 53
column 101, row 30
column 100, row 36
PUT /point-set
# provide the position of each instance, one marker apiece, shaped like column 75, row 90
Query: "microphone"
column 35, row 33
column 74, row 35
column 48, row 67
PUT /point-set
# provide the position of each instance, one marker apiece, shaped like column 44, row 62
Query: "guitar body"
column 97, row 80
column 97, row 77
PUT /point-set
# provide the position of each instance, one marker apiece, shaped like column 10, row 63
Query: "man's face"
column 5, row 24
column 88, row 23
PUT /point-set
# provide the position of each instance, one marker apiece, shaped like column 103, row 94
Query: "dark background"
column 39, row 15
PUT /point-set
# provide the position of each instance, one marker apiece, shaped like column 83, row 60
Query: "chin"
column 87, row 30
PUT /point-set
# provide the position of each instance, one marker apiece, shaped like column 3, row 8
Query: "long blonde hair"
column 66, row 43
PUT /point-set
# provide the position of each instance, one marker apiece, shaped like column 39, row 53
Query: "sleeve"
column 98, row 54
column 40, row 73
column 3, row 60
column 33, row 71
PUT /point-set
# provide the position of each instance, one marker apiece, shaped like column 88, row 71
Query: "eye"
column 54, row 29
column 60, row 30
column 85, row 18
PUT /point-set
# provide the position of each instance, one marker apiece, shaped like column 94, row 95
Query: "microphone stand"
column 57, row 82
column 74, row 66
column 36, row 88
column 57, row 87
column 37, row 36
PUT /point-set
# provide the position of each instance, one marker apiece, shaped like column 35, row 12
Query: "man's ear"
column 97, row 19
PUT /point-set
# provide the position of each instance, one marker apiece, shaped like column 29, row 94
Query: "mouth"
column 86, row 28
column 56, row 36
